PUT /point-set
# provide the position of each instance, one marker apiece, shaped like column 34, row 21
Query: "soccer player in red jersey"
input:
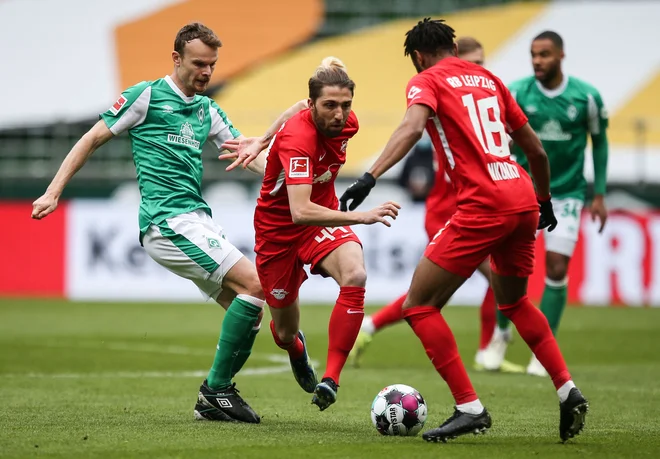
column 297, row 223
column 440, row 206
column 467, row 112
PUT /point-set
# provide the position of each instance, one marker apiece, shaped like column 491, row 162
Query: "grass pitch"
column 108, row 380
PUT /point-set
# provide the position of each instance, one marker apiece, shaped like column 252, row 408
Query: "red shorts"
column 466, row 241
column 281, row 266
column 435, row 221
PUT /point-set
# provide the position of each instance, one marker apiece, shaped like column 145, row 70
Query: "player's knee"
column 354, row 277
column 556, row 270
column 253, row 287
column 285, row 332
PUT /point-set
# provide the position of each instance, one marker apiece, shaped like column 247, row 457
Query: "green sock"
column 553, row 302
column 236, row 326
column 244, row 352
column 503, row 321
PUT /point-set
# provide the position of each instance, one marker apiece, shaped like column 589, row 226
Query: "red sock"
column 390, row 314
column 533, row 327
column 343, row 329
column 438, row 340
column 294, row 348
column 488, row 319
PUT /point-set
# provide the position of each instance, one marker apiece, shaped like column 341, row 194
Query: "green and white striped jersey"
column 167, row 131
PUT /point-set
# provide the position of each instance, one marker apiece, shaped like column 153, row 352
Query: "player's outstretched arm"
column 528, row 141
column 247, row 151
column 305, row 212
column 400, row 143
column 81, row 151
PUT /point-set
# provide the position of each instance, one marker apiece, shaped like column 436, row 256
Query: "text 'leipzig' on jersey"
column 472, row 112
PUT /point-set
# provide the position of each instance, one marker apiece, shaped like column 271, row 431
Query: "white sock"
column 474, row 407
column 368, row 325
column 564, row 390
column 503, row 334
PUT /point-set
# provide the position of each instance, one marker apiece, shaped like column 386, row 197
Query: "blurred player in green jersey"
column 168, row 122
column 563, row 111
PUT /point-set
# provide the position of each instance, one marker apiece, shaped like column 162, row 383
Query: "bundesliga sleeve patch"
column 299, row 167
column 118, row 105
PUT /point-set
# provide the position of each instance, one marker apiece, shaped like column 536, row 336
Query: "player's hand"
column 44, row 206
column 547, row 219
column 358, row 192
column 598, row 210
column 378, row 214
column 242, row 151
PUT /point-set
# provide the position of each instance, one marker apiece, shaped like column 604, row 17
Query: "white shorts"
column 192, row 246
column 565, row 236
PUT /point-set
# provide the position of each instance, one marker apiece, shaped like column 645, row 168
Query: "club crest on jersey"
column 414, row 91
column 118, row 105
column 572, row 112
column 186, row 136
column 299, row 167
column 200, row 115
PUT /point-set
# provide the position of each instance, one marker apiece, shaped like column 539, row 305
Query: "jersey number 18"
column 483, row 124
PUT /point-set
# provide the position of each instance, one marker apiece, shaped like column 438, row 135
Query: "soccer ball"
column 399, row 410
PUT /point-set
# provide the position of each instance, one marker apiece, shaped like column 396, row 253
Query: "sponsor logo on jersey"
column 168, row 109
column 503, row 171
column 572, row 112
column 200, row 115
column 327, row 175
column 299, row 167
column 118, row 105
column 414, row 91
column 531, row 109
column 552, row 131
column 279, row 293
column 186, row 136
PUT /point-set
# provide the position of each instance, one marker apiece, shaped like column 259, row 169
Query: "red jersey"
column 471, row 108
column 442, row 197
column 299, row 154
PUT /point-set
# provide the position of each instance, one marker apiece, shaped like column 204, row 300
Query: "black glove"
column 547, row 219
column 358, row 192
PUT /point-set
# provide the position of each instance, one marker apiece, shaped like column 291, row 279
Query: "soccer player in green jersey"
column 563, row 111
column 168, row 122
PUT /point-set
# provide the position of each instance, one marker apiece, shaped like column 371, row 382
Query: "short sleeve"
column 421, row 91
column 598, row 118
column 130, row 109
column 222, row 128
column 514, row 116
column 296, row 150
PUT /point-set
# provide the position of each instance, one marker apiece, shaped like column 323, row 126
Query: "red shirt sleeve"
column 515, row 117
column 296, row 152
column 422, row 91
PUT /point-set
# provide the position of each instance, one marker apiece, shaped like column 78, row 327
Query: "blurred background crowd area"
column 72, row 70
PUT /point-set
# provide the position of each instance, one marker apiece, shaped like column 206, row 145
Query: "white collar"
column 176, row 89
column 551, row 93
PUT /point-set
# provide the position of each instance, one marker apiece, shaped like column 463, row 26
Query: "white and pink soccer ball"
column 399, row 410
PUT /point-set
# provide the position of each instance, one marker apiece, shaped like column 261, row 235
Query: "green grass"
column 118, row 380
